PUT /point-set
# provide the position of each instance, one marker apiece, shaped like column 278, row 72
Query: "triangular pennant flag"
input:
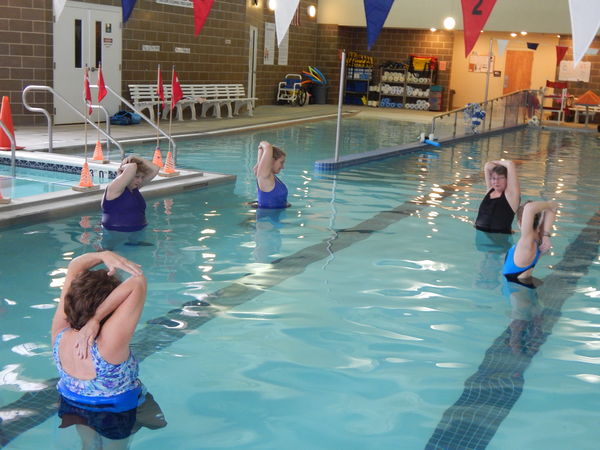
column 176, row 92
column 532, row 45
column 87, row 94
column 101, row 86
column 560, row 53
column 501, row 43
column 127, row 6
column 475, row 15
column 201, row 10
column 585, row 21
column 589, row 98
column 58, row 5
column 376, row 12
column 284, row 12
column 591, row 51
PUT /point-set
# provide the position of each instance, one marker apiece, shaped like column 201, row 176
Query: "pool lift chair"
column 291, row 90
column 557, row 101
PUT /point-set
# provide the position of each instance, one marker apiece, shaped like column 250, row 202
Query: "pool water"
column 370, row 314
column 27, row 182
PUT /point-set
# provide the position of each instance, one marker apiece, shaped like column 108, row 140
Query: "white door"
column 253, row 48
column 86, row 34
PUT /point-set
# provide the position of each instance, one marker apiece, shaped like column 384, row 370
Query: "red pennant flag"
column 560, row 53
column 475, row 15
column 176, row 92
column 160, row 90
column 87, row 95
column 101, row 86
column 201, row 10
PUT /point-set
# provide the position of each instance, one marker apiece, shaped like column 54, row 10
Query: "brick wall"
column 392, row 45
column 218, row 55
column 25, row 52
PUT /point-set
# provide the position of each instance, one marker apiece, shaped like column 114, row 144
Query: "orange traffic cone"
column 157, row 160
column 6, row 117
column 98, row 155
column 169, row 169
column 85, row 181
column 3, row 201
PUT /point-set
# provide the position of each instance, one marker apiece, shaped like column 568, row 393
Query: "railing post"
column 13, row 148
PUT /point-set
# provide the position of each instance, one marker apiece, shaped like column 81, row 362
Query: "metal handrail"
column 143, row 116
column 483, row 106
column 57, row 95
column 107, row 118
column 13, row 148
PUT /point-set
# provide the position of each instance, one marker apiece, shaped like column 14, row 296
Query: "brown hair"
column 139, row 162
column 278, row 153
column 536, row 218
column 500, row 170
column 87, row 292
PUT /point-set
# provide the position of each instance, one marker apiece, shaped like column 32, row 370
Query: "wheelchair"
column 292, row 91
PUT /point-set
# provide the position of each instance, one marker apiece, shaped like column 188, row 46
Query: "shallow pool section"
column 39, row 173
column 370, row 314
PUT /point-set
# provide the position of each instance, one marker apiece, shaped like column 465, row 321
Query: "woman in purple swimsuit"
column 271, row 192
column 123, row 207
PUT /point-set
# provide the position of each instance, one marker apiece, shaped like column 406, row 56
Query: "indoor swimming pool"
column 368, row 315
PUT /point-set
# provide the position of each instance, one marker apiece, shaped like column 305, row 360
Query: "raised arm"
column 264, row 168
column 125, row 305
column 119, row 184
column 84, row 262
column 487, row 170
column 151, row 169
column 529, row 212
column 513, row 189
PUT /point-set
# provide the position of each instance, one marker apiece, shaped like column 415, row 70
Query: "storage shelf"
column 405, row 98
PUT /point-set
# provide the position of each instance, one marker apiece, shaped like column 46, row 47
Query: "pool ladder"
column 106, row 133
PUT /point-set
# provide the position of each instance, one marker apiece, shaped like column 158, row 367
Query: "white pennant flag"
column 59, row 5
column 501, row 43
column 284, row 12
column 585, row 21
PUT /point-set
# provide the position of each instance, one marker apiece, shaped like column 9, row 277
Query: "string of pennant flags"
column 585, row 22
column 201, row 10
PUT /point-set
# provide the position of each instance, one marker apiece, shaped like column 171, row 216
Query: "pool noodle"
column 430, row 142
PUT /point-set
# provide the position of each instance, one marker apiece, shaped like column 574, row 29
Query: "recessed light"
column 513, row 34
column 523, row 33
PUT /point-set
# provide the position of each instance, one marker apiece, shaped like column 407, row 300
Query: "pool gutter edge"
column 54, row 205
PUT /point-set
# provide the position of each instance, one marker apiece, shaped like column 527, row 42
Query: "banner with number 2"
column 475, row 15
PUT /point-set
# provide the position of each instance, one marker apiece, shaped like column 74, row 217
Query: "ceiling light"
column 523, row 33
column 449, row 23
column 558, row 36
column 272, row 5
column 432, row 29
column 513, row 34
column 312, row 11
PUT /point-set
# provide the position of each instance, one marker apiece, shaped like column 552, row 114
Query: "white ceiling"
column 533, row 16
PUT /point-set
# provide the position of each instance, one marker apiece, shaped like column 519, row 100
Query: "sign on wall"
column 581, row 72
column 184, row 3
column 282, row 56
column 269, row 53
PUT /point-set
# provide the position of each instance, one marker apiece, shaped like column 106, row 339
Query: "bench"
column 214, row 96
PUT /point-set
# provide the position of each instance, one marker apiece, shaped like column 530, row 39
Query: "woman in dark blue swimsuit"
column 123, row 207
column 271, row 191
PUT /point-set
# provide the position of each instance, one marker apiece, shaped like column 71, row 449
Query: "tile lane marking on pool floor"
column 163, row 331
column 490, row 393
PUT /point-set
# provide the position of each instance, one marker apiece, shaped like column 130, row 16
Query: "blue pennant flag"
column 376, row 12
column 127, row 6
